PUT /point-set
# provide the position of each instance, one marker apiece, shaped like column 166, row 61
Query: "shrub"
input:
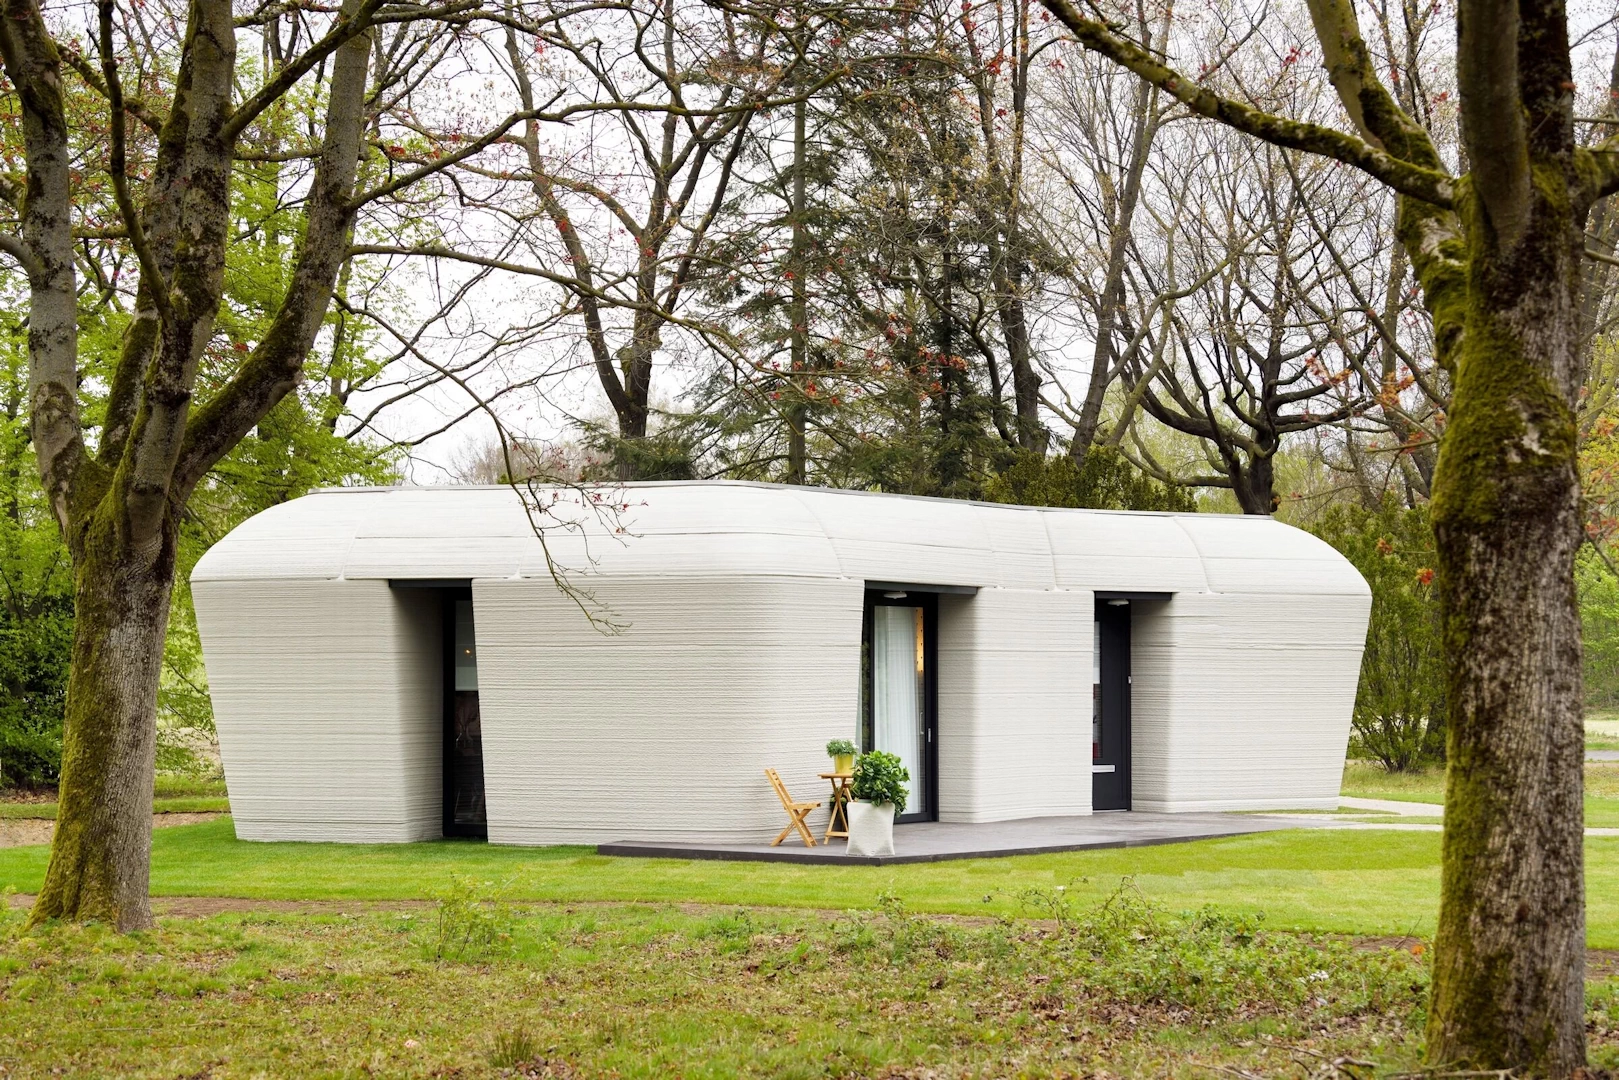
column 840, row 746
column 1399, row 717
column 1599, row 619
column 36, row 649
column 880, row 777
column 1215, row 963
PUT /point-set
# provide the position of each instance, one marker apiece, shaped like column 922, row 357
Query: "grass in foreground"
column 474, row 990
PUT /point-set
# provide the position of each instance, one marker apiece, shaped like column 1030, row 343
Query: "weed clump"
column 470, row 923
column 512, row 1048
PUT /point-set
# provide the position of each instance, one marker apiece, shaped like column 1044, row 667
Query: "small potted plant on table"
column 841, row 751
column 878, row 790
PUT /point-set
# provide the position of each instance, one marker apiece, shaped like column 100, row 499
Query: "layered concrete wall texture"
column 726, row 638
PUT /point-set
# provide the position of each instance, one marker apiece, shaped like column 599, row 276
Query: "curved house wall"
column 663, row 730
column 742, row 606
column 328, row 697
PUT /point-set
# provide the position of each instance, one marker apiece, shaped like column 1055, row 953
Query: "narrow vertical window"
column 1096, row 690
column 464, row 752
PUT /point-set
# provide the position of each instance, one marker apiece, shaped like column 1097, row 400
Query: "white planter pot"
column 871, row 828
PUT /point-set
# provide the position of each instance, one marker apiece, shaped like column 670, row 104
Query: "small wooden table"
column 840, row 803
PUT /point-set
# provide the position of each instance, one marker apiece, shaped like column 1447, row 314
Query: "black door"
column 463, row 729
column 899, row 690
column 1110, row 707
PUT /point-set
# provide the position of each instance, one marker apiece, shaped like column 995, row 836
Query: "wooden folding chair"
column 798, row 811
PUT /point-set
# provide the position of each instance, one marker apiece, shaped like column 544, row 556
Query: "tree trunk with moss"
column 1509, row 958
column 101, row 852
column 118, row 503
column 1497, row 253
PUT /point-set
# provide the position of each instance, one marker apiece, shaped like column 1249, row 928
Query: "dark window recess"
column 1110, row 707
column 463, row 728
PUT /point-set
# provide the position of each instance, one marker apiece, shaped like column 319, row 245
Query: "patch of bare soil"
column 17, row 832
column 201, row 907
column 28, row 795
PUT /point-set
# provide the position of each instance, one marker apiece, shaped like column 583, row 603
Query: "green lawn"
column 180, row 786
column 1364, row 882
column 1371, row 782
column 206, row 804
column 1602, row 731
column 1181, row 960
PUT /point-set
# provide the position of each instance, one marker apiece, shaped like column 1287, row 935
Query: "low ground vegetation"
column 1120, row 988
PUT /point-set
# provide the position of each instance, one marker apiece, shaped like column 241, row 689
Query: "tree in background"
column 294, row 448
column 1595, row 574
column 128, row 207
column 1599, row 624
column 1103, row 480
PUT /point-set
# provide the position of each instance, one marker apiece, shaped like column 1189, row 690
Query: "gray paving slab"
column 939, row 841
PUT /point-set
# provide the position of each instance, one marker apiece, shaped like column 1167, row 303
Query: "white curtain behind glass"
column 897, row 720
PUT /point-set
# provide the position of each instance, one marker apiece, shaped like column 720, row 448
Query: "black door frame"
column 1113, row 629
column 453, row 828
column 928, row 601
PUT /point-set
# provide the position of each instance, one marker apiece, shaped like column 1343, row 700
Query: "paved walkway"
column 1602, row 755
column 1393, row 806
column 940, row 841
column 937, row 841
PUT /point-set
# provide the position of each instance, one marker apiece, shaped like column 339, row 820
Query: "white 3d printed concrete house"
column 395, row 664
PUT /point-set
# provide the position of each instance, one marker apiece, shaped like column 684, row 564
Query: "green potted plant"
column 842, row 752
column 879, row 793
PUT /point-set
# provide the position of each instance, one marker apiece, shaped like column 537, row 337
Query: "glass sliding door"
column 463, row 728
column 899, row 691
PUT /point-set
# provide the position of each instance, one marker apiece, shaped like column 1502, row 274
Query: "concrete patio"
column 938, row 841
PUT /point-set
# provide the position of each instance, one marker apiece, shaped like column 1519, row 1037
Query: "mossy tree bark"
column 1509, row 967
column 1498, row 255
column 1509, row 975
column 101, row 852
column 118, row 505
